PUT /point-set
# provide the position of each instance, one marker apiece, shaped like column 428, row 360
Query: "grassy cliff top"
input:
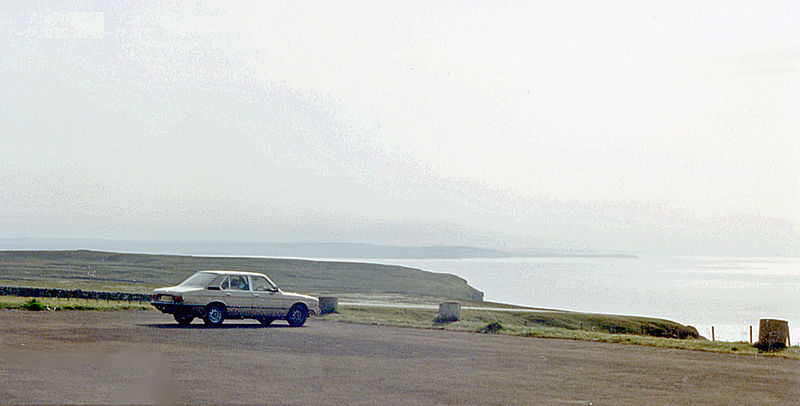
column 142, row 272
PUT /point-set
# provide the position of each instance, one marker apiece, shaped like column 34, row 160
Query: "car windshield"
column 198, row 280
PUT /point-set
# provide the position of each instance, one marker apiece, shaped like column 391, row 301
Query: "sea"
column 730, row 294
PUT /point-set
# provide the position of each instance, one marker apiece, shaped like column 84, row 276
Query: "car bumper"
column 178, row 308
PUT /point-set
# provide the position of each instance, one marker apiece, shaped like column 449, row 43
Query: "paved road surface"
column 144, row 357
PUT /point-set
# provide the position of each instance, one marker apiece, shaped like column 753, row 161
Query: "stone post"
column 773, row 333
column 328, row 305
column 449, row 311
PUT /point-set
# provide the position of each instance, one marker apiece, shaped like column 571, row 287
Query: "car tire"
column 266, row 321
column 184, row 320
column 214, row 314
column 297, row 315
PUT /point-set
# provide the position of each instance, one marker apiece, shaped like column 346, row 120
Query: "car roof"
column 228, row 272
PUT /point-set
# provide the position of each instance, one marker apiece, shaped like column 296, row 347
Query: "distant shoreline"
column 362, row 251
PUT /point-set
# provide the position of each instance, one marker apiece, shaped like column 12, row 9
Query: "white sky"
column 639, row 126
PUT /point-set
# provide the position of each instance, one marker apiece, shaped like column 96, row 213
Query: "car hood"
column 299, row 296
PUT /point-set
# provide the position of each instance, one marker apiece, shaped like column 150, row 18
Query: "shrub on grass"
column 769, row 347
column 492, row 327
column 444, row 320
column 33, row 305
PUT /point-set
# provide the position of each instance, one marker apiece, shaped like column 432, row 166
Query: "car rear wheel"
column 215, row 314
column 266, row 320
column 184, row 320
column 297, row 315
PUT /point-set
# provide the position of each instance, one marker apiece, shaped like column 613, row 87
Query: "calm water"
column 730, row 294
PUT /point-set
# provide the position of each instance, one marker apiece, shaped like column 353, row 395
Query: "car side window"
column 226, row 284
column 260, row 284
column 239, row 282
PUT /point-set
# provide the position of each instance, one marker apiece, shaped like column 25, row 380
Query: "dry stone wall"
column 73, row 294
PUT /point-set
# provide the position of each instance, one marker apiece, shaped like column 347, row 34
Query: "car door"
column 238, row 296
column 268, row 301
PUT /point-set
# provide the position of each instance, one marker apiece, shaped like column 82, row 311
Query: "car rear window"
column 199, row 280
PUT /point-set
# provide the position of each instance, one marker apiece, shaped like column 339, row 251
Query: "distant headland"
column 331, row 250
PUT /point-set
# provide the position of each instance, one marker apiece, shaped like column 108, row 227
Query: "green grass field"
column 558, row 325
column 141, row 273
column 52, row 304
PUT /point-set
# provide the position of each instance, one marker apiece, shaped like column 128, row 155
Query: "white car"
column 218, row 295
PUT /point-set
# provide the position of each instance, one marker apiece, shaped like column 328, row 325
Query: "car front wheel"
column 215, row 315
column 297, row 315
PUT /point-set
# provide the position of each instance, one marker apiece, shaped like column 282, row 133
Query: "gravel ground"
column 130, row 357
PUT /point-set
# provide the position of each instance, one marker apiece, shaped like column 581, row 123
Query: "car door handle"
column 255, row 294
column 227, row 294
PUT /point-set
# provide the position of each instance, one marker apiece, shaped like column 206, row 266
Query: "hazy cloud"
column 624, row 126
